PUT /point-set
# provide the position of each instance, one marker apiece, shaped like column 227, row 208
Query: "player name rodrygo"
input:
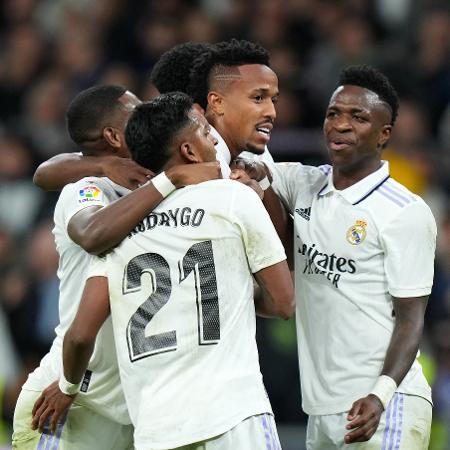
column 179, row 217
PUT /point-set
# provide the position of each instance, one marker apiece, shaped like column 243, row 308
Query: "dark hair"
column 231, row 53
column 153, row 125
column 372, row 79
column 171, row 72
column 86, row 114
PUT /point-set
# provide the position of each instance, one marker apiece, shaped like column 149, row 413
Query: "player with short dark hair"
column 171, row 71
column 90, row 111
column 96, row 214
column 150, row 131
column 369, row 78
column 235, row 85
column 364, row 249
column 185, row 335
column 218, row 62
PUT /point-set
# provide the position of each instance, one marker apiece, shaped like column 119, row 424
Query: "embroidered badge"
column 357, row 233
column 89, row 194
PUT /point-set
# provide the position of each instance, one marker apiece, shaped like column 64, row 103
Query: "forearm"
column 109, row 225
column 402, row 349
column 404, row 344
column 274, row 295
column 76, row 356
column 54, row 174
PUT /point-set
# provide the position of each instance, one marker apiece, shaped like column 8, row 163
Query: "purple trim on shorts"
column 266, row 433
column 272, row 431
column 387, row 426
column 400, row 423
column 395, row 416
column 273, row 426
column 51, row 441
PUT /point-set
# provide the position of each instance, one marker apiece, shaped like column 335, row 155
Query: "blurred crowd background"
column 52, row 49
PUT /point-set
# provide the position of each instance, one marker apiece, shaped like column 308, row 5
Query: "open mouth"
column 264, row 131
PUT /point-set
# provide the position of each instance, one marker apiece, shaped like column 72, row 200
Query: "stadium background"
column 51, row 49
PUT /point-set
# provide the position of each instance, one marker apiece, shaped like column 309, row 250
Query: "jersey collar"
column 362, row 189
column 223, row 153
column 221, row 147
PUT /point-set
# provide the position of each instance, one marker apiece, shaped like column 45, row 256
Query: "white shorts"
column 254, row 433
column 405, row 425
column 81, row 429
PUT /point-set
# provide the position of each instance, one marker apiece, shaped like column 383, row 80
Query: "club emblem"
column 357, row 233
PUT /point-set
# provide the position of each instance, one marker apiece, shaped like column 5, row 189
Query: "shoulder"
column 87, row 190
column 300, row 174
column 401, row 205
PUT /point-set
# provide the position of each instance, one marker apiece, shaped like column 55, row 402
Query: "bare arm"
column 401, row 353
column 282, row 222
column 277, row 292
column 99, row 229
column 77, row 349
column 80, row 337
column 56, row 172
column 402, row 350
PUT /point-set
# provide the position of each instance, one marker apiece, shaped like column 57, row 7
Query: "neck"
column 346, row 177
column 221, row 129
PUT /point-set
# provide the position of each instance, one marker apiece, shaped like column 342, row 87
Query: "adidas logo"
column 304, row 212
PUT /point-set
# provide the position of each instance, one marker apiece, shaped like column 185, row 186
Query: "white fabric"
column 384, row 389
column 405, row 425
column 353, row 249
column 189, row 386
column 81, row 429
column 224, row 155
column 163, row 185
column 104, row 392
column 255, row 432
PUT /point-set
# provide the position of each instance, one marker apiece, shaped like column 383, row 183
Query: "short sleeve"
column 97, row 268
column 262, row 244
column 83, row 194
column 286, row 182
column 409, row 243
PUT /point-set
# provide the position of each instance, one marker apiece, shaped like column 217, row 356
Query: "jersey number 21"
column 198, row 259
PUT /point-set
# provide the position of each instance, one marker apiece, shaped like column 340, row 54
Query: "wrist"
column 264, row 183
column 384, row 389
column 68, row 388
column 163, row 184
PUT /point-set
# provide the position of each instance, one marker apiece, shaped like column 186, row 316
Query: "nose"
column 270, row 111
column 342, row 123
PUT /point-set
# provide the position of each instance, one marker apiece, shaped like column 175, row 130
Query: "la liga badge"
column 89, row 194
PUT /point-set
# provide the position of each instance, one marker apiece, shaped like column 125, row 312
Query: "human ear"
column 215, row 103
column 112, row 136
column 385, row 135
column 189, row 153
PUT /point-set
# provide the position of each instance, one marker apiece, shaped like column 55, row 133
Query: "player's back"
column 101, row 390
column 183, row 314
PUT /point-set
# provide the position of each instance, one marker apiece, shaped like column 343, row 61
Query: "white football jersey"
column 101, row 390
column 181, row 293
column 354, row 249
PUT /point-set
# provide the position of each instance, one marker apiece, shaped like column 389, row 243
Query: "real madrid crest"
column 357, row 233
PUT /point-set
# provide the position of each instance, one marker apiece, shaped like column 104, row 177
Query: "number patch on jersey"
column 198, row 260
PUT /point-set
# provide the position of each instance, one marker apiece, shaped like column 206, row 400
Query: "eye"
column 331, row 114
column 359, row 118
column 275, row 99
column 258, row 98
